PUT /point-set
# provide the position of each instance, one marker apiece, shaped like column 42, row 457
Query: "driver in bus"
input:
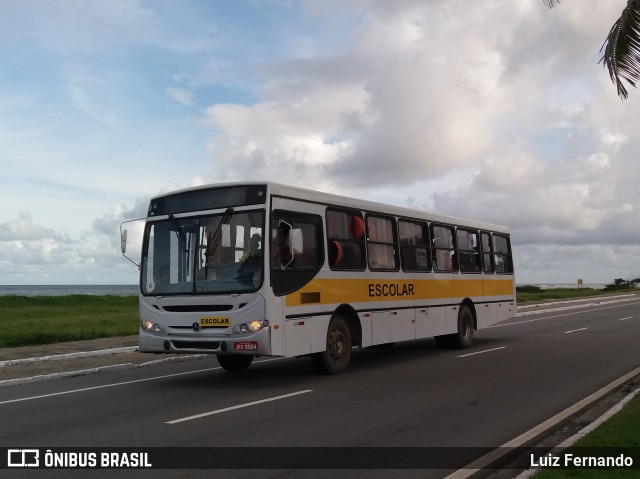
column 253, row 253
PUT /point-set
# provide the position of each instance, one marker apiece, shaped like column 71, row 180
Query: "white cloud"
column 24, row 229
column 396, row 96
column 182, row 96
column 429, row 89
column 495, row 110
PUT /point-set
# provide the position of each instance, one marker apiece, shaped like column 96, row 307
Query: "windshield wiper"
column 176, row 227
column 213, row 239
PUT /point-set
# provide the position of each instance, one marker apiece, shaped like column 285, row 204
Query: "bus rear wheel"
column 234, row 362
column 337, row 356
column 464, row 337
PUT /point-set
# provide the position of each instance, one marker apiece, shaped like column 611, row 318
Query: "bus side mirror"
column 123, row 241
column 124, row 238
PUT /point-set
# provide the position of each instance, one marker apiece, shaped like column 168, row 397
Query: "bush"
column 528, row 289
column 620, row 283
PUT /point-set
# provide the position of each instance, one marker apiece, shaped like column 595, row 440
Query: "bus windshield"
column 219, row 253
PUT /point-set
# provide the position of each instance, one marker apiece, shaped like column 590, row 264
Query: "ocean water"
column 64, row 290
column 565, row 285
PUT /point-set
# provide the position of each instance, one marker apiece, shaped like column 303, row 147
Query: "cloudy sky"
column 495, row 110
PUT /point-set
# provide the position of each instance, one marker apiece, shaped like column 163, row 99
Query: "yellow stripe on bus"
column 333, row 291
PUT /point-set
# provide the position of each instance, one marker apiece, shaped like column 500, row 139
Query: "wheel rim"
column 467, row 329
column 337, row 345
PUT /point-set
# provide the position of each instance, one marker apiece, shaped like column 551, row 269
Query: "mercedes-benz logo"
column 196, row 327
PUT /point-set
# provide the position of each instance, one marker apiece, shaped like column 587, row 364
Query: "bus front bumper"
column 256, row 344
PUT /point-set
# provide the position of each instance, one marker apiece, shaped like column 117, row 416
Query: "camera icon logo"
column 23, row 458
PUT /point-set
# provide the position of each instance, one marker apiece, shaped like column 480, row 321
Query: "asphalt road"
column 517, row 375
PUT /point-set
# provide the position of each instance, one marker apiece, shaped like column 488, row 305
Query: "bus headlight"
column 152, row 327
column 252, row 327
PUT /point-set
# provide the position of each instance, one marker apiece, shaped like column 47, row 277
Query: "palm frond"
column 622, row 49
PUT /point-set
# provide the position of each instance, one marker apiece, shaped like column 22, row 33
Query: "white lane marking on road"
column 103, row 386
column 624, row 319
column 239, row 406
column 482, row 352
column 123, row 383
column 513, row 323
column 575, row 330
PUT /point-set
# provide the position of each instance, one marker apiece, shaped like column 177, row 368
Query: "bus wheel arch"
column 353, row 321
column 472, row 307
column 466, row 325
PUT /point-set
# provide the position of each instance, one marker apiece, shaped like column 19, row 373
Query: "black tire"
column 444, row 341
column 464, row 337
column 235, row 362
column 337, row 356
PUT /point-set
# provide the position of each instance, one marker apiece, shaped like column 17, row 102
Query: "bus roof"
column 331, row 199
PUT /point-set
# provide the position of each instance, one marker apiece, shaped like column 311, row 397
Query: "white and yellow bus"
column 263, row 269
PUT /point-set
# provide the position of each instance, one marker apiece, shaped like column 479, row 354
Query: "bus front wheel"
column 234, row 362
column 337, row 356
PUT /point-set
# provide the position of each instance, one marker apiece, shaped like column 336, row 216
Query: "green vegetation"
column 622, row 284
column 51, row 319
column 621, row 431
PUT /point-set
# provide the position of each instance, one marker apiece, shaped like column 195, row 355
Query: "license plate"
column 245, row 346
column 215, row 322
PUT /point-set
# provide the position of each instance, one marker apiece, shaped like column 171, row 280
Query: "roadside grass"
column 36, row 320
column 621, row 431
column 32, row 320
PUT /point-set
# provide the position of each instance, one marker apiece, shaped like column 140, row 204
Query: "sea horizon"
column 68, row 289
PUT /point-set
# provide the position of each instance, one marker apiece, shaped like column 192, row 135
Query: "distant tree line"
column 620, row 283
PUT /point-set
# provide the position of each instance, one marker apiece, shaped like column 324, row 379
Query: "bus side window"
column 444, row 248
column 414, row 246
column 296, row 243
column 487, row 253
column 297, row 252
column 345, row 240
column 468, row 250
column 382, row 243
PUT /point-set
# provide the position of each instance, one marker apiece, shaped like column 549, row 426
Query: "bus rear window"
column 502, row 254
